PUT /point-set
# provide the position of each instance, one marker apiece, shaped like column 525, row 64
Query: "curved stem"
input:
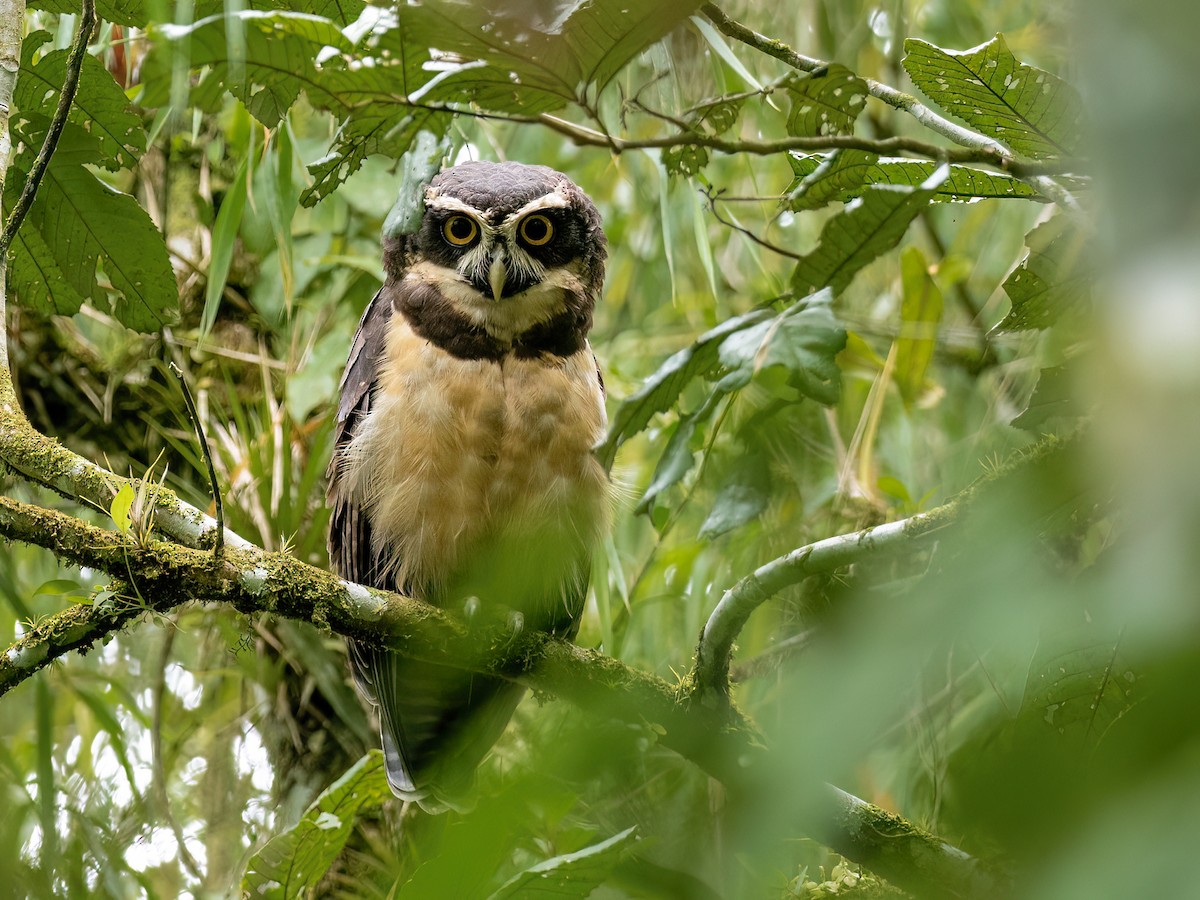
column 715, row 649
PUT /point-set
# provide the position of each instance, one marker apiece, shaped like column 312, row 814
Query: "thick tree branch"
column 964, row 137
column 714, row 737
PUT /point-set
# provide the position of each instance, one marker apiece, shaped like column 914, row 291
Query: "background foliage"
column 802, row 336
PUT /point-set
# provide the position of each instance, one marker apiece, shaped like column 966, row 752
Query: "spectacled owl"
column 462, row 472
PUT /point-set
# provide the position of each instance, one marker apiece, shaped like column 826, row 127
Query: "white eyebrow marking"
column 555, row 200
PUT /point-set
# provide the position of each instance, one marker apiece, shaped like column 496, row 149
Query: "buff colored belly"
column 459, row 457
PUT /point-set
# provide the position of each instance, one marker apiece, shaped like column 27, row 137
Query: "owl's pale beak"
column 497, row 276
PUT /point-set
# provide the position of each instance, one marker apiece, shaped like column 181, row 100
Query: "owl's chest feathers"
column 458, row 453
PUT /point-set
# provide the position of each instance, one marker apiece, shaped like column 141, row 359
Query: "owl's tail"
column 437, row 722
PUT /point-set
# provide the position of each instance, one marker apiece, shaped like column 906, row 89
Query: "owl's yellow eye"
column 460, row 230
column 536, row 230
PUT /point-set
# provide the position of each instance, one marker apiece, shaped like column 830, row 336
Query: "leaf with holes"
column 1030, row 110
column 843, row 175
column 572, row 875
column 1053, row 279
column 825, row 103
column 77, row 228
column 865, row 229
column 291, row 863
column 101, row 107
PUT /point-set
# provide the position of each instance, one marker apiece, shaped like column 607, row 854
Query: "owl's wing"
column 349, row 529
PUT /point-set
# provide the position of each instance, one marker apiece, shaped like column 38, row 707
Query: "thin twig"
column 219, row 541
column 1004, row 158
column 87, row 21
column 711, row 196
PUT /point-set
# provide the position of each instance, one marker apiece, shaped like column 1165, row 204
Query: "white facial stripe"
column 556, row 200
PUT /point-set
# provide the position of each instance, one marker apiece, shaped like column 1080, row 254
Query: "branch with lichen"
column 155, row 577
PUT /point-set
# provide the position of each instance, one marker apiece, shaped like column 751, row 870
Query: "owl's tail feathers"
column 437, row 723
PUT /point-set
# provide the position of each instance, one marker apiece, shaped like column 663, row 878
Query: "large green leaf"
column 572, row 875
column 662, row 389
column 865, row 229
column 827, row 102
column 1030, row 110
column 1054, row 397
column 78, row 225
column 293, row 862
column 801, row 343
column 122, row 12
column 1051, row 281
column 264, row 59
column 100, row 107
column 844, row 174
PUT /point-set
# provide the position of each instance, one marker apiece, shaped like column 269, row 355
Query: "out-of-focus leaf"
column 827, row 102
column 1030, row 110
column 292, row 862
column 678, row 456
column 101, row 107
column 1052, row 280
column 1053, row 398
column 263, row 58
column 122, row 12
column 662, row 389
column 224, row 240
column 341, row 11
column 743, row 496
column 920, row 314
column 572, row 874
column 845, row 174
column 1079, row 685
column 865, row 229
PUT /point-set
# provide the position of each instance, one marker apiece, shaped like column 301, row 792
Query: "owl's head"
column 508, row 246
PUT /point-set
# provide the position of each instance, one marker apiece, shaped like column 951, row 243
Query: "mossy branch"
column 713, row 736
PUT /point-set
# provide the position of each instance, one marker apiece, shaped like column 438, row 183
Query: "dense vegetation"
column 900, row 337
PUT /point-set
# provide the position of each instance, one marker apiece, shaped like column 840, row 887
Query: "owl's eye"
column 460, row 230
column 536, row 230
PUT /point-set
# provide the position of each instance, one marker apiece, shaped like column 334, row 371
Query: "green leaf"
column 920, row 315
column 841, row 175
column 662, row 389
column 1052, row 280
column 1053, row 398
column 743, row 496
column 100, row 107
column 293, row 862
column 78, row 226
column 686, row 159
column 572, row 874
column 845, row 174
column 865, row 229
column 122, row 12
column 263, row 58
column 825, row 103
column 224, row 239
column 678, row 457
column 1028, row 109
column 119, row 508
column 804, row 340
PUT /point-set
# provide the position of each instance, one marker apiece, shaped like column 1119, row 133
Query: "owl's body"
column 463, row 466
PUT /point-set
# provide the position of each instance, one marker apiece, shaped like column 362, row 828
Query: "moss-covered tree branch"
column 155, row 576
